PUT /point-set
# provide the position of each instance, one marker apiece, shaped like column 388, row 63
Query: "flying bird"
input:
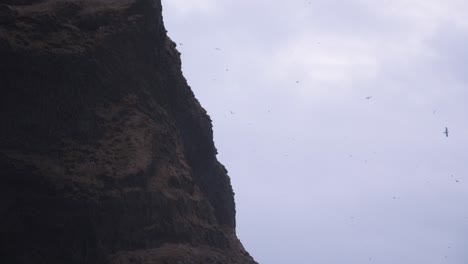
column 446, row 132
column 368, row 97
column 231, row 112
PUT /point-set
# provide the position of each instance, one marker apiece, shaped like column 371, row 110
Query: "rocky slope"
column 105, row 154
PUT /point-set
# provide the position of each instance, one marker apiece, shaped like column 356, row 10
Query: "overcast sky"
column 329, row 116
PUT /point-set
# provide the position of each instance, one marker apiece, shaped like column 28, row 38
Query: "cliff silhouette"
column 106, row 156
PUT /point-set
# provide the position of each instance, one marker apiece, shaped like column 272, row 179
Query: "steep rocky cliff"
column 105, row 154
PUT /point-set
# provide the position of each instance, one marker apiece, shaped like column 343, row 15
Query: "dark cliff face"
column 105, row 154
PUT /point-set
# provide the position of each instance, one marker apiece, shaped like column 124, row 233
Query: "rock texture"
column 105, row 154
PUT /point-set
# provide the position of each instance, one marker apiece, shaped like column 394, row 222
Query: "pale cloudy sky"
column 322, row 174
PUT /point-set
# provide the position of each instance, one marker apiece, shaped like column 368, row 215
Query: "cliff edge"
column 105, row 154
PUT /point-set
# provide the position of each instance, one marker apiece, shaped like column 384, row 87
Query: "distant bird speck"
column 456, row 180
column 232, row 113
column 181, row 44
column 368, row 97
column 446, row 132
column 218, row 49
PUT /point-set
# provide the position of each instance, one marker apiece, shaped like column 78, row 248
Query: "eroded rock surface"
column 105, row 154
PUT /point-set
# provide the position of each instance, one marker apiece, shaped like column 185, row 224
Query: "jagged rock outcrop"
column 105, row 154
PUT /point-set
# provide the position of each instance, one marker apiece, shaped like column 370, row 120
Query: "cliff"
column 105, row 154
